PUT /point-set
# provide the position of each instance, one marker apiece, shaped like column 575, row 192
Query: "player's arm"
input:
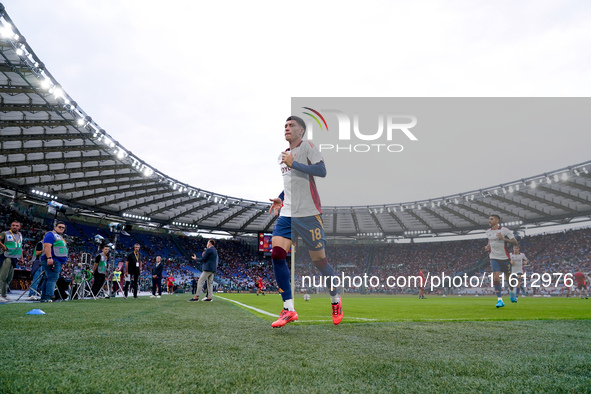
column 506, row 235
column 487, row 247
column 318, row 169
column 277, row 203
column 313, row 156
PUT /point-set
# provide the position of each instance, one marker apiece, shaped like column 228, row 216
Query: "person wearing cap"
column 54, row 256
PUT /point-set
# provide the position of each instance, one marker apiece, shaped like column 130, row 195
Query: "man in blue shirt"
column 210, row 264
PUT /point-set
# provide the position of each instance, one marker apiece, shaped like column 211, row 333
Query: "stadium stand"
column 239, row 267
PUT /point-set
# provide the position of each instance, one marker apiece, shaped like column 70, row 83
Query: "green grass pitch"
column 363, row 308
column 385, row 344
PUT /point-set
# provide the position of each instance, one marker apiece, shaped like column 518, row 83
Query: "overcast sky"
column 200, row 90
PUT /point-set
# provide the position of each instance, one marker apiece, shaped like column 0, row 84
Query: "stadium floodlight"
column 517, row 187
column 533, row 184
column 58, row 93
column 19, row 51
column 148, row 171
column 585, row 170
column 564, row 176
column 576, row 172
column 45, row 84
column 548, row 180
column 510, row 189
column 556, row 179
column 6, row 31
column 120, row 153
column 80, row 122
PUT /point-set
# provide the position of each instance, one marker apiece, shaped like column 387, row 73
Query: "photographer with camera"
column 11, row 244
column 100, row 270
column 55, row 254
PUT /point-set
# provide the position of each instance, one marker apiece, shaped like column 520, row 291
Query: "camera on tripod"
column 57, row 207
column 100, row 240
column 120, row 228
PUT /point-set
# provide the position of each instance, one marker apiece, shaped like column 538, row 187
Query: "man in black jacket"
column 210, row 264
column 133, row 268
column 157, row 277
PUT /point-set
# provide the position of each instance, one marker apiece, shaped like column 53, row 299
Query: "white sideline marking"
column 271, row 314
column 249, row 307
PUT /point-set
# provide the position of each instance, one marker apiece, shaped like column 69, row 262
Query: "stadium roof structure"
column 51, row 150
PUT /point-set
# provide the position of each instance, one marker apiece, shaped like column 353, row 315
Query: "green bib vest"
column 14, row 243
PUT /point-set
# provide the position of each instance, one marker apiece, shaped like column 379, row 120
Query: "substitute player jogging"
column 518, row 260
column 260, row 286
column 498, row 237
column 301, row 211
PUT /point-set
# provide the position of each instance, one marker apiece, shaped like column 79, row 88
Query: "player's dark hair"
column 494, row 215
column 299, row 120
column 58, row 222
column 212, row 242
